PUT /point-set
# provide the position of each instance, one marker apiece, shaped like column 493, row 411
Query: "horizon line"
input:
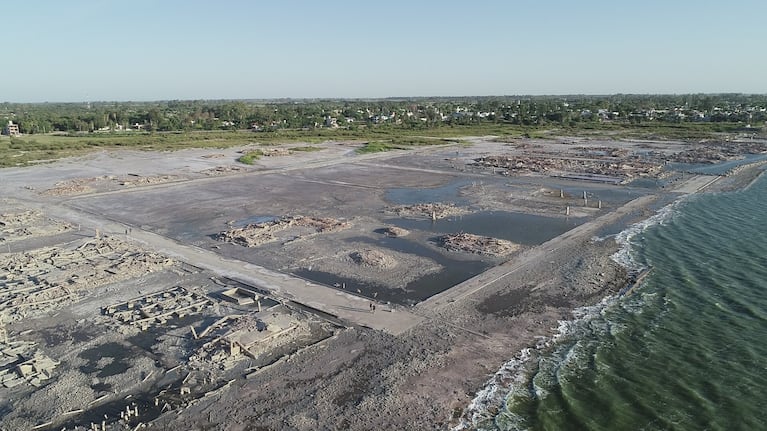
column 383, row 98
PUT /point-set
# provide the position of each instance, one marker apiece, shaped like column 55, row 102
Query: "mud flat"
column 382, row 268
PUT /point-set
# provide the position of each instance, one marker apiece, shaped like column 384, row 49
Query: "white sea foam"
column 511, row 379
column 495, row 391
column 624, row 255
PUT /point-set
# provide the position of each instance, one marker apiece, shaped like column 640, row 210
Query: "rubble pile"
column 23, row 218
column 517, row 164
column 277, row 329
column 714, row 153
column 701, row 155
column 625, row 169
column 27, row 224
column 475, row 244
column 78, row 186
column 256, row 234
column 137, row 180
column 247, row 337
column 373, row 258
column 395, row 232
column 72, row 187
column 158, row 308
column 44, row 278
column 21, row 362
column 275, row 152
column 430, row 210
column 222, row 170
column 603, row 152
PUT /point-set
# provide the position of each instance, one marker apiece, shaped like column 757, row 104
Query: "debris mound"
column 78, row 186
column 21, row 225
column 373, row 258
column 276, row 152
column 614, row 164
column 394, row 231
column 434, row 211
column 22, row 361
column 256, row 234
column 222, row 170
column 483, row 245
column 20, row 218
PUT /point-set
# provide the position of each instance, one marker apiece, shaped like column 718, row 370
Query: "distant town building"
column 331, row 122
column 11, row 129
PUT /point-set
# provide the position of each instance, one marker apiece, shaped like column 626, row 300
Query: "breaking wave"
column 625, row 255
column 513, row 380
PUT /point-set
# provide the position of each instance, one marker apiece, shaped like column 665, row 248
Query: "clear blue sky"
column 78, row 50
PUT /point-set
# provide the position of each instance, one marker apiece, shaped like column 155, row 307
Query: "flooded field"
column 251, row 294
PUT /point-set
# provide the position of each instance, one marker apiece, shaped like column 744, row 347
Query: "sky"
column 102, row 50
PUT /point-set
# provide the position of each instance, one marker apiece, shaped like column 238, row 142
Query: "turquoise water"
column 686, row 351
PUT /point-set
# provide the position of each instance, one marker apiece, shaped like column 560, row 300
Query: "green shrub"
column 250, row 157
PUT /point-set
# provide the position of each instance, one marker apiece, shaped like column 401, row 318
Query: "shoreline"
column 514, row 375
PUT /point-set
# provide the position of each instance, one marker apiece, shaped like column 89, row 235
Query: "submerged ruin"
column 476, row 244
column 287, row 228
column 434, row 211
column 373, row 258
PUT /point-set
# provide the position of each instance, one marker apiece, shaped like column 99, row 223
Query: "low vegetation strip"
column 401, row 143
column 35, row 148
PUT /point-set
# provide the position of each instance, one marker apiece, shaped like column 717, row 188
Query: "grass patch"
column 250, row 157
column 32, row 149
column 401, row 143
column 306, row 149
column 376, row 147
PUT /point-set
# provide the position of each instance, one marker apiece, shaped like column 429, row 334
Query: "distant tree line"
column 565, row 111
